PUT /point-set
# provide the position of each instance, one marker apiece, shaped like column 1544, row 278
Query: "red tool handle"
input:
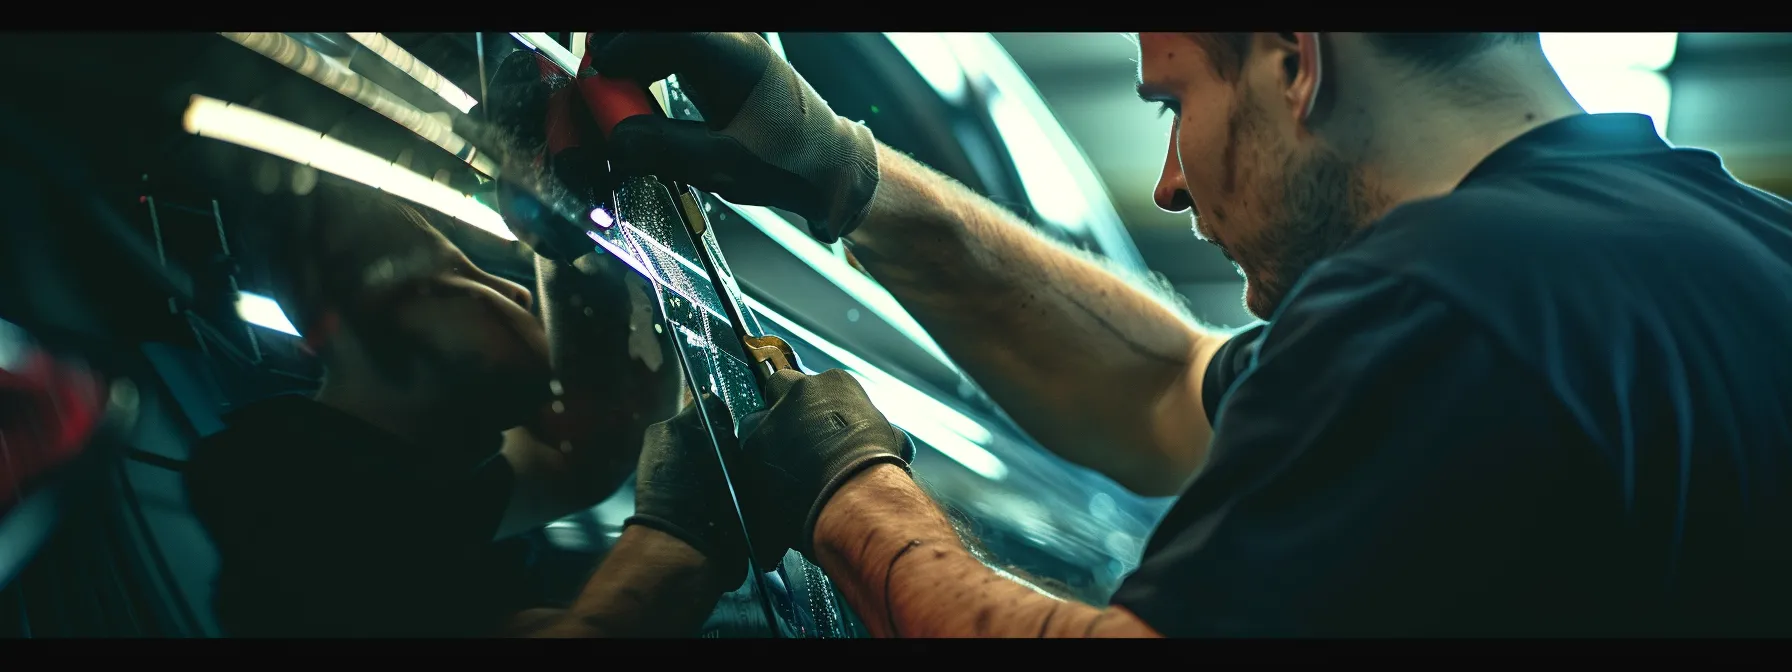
column 612, row 100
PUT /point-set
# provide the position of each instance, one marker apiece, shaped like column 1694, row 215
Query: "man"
column 388, row 504
column 1523, row 371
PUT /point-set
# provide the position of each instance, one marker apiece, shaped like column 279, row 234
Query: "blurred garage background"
column 1727, row 92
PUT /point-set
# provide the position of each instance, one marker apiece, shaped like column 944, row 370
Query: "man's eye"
column 1169, row 107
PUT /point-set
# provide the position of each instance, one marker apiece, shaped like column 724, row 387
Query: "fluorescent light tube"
column 236, row 124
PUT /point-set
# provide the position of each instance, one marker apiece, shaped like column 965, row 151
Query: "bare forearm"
column 1099, row 371
column 898, row 563
column 650, row 585
column 615, row 374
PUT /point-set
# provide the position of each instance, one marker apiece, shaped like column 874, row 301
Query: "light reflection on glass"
column 932, row 57
column 602, row 218
column 213, row 118
column 404, row 61
column 263, row 312
column 331, row 73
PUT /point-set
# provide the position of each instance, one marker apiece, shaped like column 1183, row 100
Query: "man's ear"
column 1305, row 88
column 1302, row 72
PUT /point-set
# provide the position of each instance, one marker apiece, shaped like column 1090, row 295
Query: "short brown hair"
column 1226, row 51
column 1424, row 52
column 309, row 261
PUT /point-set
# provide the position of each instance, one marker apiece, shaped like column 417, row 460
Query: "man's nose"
column 1172, row 199
column 1171, row 195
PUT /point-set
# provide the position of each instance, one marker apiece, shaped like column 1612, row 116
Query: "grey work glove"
column 818, row 432
column 766, row 139
column 679, row 488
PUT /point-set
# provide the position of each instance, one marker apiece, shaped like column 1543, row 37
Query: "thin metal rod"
column 485, row 111
column 235, row 290
column 155, row 225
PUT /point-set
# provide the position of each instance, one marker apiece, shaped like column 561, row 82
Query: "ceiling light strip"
column 386, row 49
column 436, row 128
column 236, row 124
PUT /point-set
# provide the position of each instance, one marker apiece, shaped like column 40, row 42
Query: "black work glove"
column 679, row 488
column 818, row 432
column 766, row 139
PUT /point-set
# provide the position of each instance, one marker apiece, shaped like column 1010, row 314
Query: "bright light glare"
column 914, row 419
column 578, row 46
column 263, row 312
column 1053, row 191
column 435, row 127
column 1616, row 72
column 822, row 259
column 777, row 45
column 548, row 47
column 602, row 218
column 932, row 57
column 1611, row 51
column 1602, row 90
column 1051, row 188
column 403, row 60
column 954, row 434
column 213, row 118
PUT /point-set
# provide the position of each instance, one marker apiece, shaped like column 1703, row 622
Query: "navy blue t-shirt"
column 1556, row 401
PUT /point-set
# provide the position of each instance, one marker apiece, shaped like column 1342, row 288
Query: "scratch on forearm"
column 1120, row 335
column 1093, row 622
column 890, row 605
column 1046, row 625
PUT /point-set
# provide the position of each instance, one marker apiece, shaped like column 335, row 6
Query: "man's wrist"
column 871, row 488
column 670, row 550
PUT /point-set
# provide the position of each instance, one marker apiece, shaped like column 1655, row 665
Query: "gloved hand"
column 766, row 139
column 679, row 488
column 818, row 432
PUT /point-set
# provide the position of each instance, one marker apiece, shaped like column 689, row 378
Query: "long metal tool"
column 611, row 101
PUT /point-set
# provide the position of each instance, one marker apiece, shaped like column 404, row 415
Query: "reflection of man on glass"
column 1525, row 370
column 449, row 420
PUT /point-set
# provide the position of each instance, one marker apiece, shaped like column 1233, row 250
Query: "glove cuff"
column 806, row 543
column 856, row 188
column 704, row 546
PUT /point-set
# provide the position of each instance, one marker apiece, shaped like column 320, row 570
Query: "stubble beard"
column 1308, row 207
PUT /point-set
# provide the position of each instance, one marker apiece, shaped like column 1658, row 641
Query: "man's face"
column 1270, row 195
column 465, row 338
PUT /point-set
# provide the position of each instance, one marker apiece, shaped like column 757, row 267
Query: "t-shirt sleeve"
column 1371, row 474
column 1227, row 365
